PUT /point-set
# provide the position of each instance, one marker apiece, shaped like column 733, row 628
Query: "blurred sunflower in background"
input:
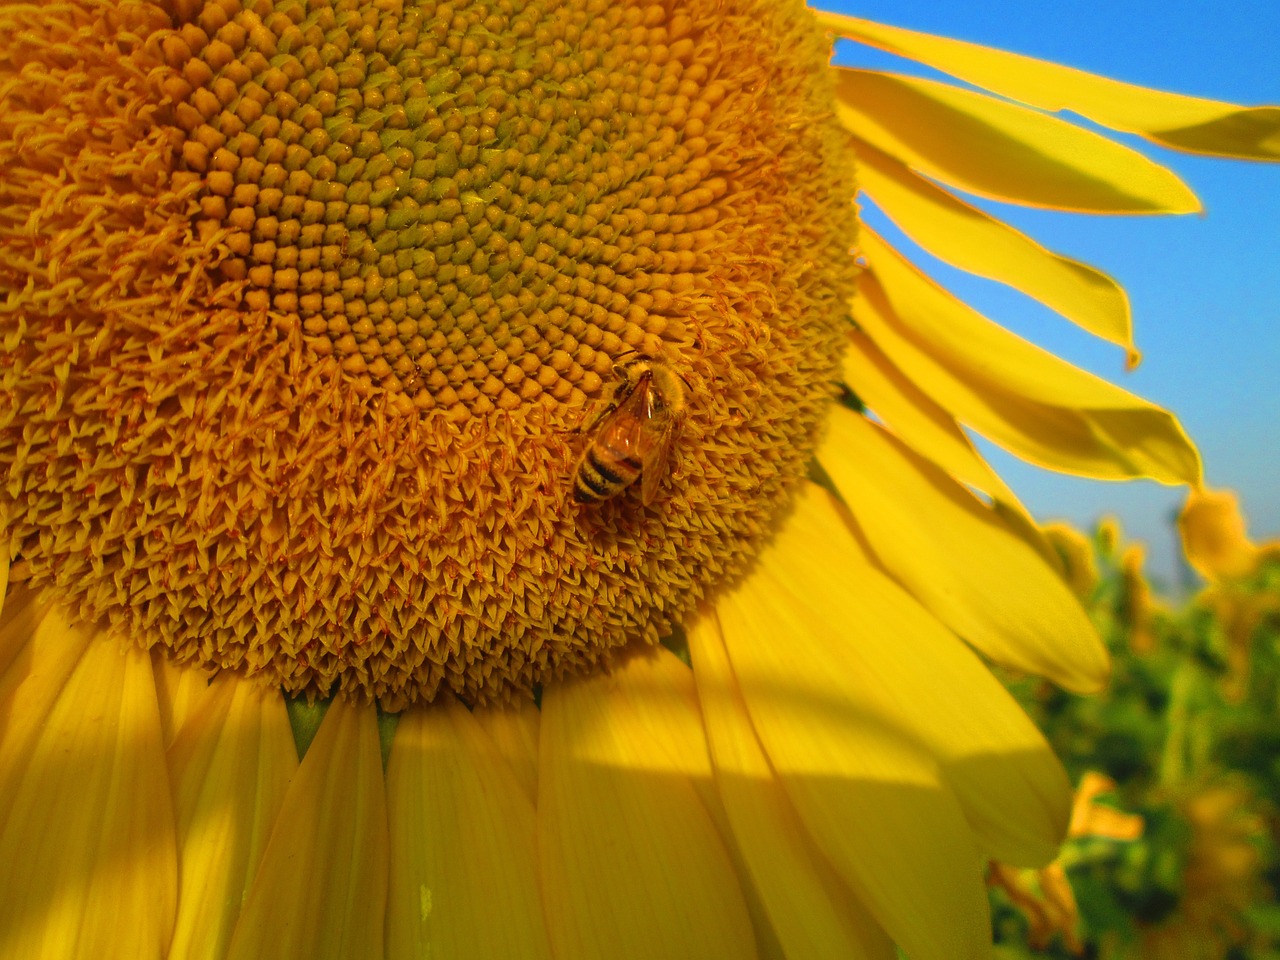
column 1241, row 590
column 1172, row 852
column 312, row 312
column 1219, row 881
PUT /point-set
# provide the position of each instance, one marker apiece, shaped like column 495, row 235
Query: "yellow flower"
column 1214, row 535
column 310, row 314
column 1217, row 544
column 1138, row 604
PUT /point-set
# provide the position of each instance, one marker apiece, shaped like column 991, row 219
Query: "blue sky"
column 1205, row 290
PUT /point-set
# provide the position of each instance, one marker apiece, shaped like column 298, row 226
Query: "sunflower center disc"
column 309, row 344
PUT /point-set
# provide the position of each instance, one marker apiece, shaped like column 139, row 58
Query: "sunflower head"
column 313, row 308
column 1214, row 535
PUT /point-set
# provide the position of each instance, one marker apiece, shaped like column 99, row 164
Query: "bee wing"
column 622, row 433
column 653, row 459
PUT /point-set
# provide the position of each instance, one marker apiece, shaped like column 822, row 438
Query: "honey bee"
column 634, row 434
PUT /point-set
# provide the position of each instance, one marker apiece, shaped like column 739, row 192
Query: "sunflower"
column 1215, row 536
column 312, row 312
column 1241, row 590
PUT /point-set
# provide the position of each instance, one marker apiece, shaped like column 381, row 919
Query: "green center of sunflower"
column 324, row 304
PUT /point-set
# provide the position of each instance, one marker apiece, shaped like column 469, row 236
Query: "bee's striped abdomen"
column 603, row 473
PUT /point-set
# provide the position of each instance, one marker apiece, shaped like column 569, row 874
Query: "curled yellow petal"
column 1089, row 818
column 464, row 879
column 231, row 765
column 611, row 793
column 813, row 911
column 930, row 430
column 1045, row 898
column 1022, row 397
column 960, row 558
column 1214, row 535
column 1173, row 120
column 90, row 821
column 321, row 890
column 1002, row 150
column 972, row 240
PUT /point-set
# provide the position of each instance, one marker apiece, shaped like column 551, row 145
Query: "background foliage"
column 1186, row 738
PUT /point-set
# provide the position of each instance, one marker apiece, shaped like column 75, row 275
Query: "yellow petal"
column 659, row 691
column 22, row 613
column 1075, row 555
column 1185, row 123
column 1090, row 818
column 40, row 650
column 463, row 845
column 869, row 654
column 1214, row 535
column 183, row 691
column 321, row 890
column 972, row 240
column 1024, row 398
column 231, row 766
column 930, row 430
column 90, row 822
column 866, row 790
column 513, row 730
column 812, row 910
column 631, row 863
column 1002, row 150
column 962, row 561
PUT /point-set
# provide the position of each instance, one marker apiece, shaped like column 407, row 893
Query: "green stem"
column 1173, row 758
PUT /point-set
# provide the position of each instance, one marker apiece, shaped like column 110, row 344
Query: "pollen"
column 309, row 309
